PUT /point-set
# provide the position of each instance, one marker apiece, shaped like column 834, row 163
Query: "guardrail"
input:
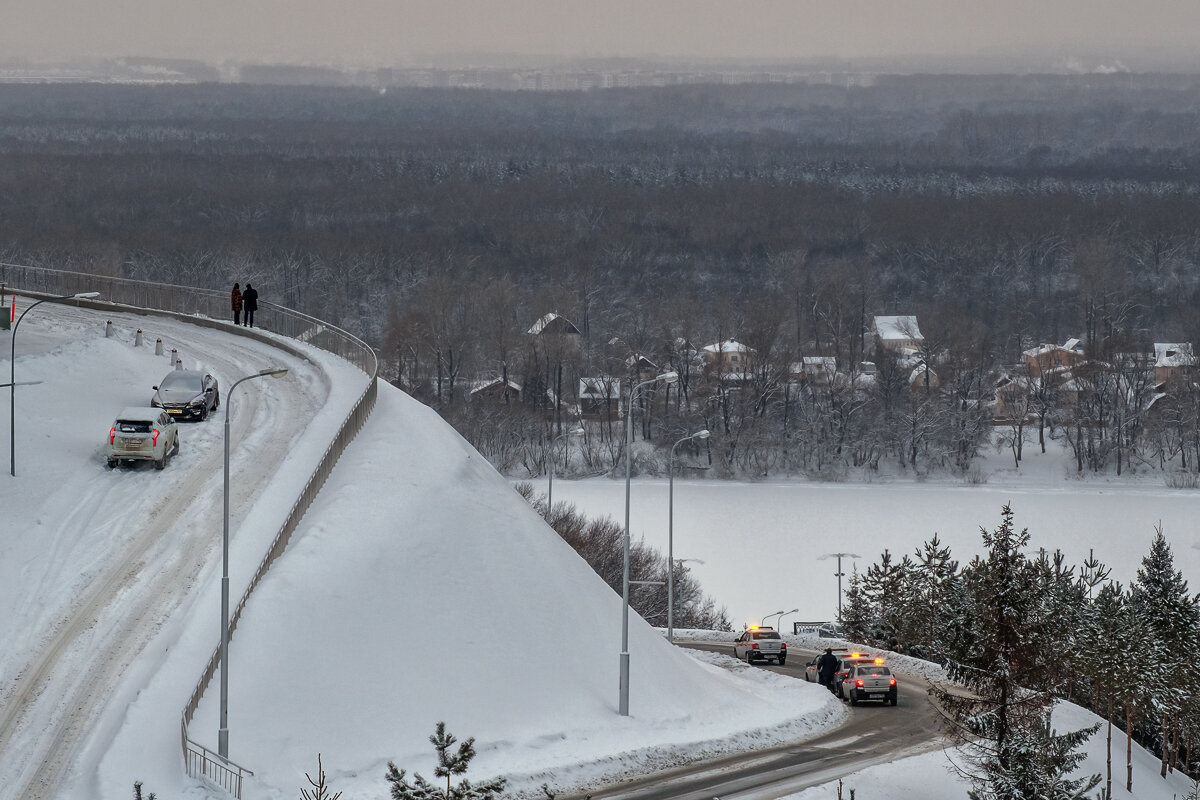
column 210, row 308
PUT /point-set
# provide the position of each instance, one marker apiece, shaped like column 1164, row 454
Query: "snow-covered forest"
column 1003, row 212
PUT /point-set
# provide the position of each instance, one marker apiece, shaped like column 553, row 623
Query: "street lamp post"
column 666, row 377
column 550, row 485
column 840, row 574
column 12, row 380
column 223, row 733
column 763, row 622
column 779, row 622
column 701, row 434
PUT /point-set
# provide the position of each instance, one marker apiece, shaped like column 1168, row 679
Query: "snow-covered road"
column 101, row 558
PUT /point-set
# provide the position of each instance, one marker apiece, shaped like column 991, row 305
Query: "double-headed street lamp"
column 702, row 434
column 780, row 621
column 223, row 733
column 668, row 378
column 550, row 486
column 12, row 381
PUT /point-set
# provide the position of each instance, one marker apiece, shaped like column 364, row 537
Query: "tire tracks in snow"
column 61, row 690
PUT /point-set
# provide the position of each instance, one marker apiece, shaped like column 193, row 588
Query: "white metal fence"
column 210, row 308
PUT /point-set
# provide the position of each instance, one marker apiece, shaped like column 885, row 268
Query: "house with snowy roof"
column 730, row 359
column 898, row 333
column 600, row 397
column 1172, row 361
column 1046, row 358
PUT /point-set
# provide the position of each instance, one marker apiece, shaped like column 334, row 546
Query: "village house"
column 600, row 397
column 1173, row 362
column 898, row 333
column 1052, row 357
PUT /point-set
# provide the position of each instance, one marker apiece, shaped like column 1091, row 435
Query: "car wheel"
column 217, row 402
column 204, row 413
column 110, row 463
column 782, row 660
column 176, row 445
column 853, row 698
column 159, row 463
column 893, row 699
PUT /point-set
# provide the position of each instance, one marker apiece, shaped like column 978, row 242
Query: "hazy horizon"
column 390, row 32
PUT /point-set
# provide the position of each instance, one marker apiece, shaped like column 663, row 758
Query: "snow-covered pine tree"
column 998, row 654
column 935, row 575
column 1159, row 595
column 857, row 614
column 450, row 763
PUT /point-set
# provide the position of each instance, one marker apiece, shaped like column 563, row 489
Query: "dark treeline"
column 1022, row 631
column 440, row 224
column 601, row 543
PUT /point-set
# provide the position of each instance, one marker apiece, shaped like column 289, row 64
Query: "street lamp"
column 550, row 487
column 839, row 573
column 763, row 622
column 702, row 434
column 12, row 380
column 668, row 378
column 223, row 733
column 780, row 621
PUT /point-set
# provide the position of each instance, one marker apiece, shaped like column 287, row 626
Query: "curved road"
column 164, row 537
column 874, row 734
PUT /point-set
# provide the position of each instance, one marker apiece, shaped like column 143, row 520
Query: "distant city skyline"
column 399, row 32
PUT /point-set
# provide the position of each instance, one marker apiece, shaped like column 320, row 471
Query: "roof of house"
column 495, row 383
column 898, row 328
column 728, row 346
column 1173, row 354
column 601, row 386
column 550, row 323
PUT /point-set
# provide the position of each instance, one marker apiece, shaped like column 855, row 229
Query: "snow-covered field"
column 419, row 588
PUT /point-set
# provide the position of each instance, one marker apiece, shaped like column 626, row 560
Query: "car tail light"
column 782, row 646
column 155, row 440
column 892, row 682
column 754, row 646
column 112, row 434
column 858, row 682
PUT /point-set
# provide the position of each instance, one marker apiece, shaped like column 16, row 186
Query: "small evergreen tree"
column 137, row 792
column 449, row 764
column 320, row 790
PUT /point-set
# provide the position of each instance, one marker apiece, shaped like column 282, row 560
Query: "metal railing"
column 211, row 308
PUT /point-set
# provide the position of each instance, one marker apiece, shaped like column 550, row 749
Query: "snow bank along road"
column 874, row 734
column 125, row 546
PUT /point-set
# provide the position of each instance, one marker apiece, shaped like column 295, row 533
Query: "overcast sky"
column 401, row 31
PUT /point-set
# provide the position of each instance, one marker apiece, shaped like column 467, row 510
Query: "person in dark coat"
column 826, row 667
column 235, row 300
column 250, row 303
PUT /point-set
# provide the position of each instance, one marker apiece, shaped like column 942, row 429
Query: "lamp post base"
column 624, row 705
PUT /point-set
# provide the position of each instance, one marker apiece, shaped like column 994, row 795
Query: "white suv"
column 758, row 642
column 142, row 434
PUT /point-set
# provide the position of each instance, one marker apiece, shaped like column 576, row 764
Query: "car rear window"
column 871, row 671
column 133, row 426
column 766, row 635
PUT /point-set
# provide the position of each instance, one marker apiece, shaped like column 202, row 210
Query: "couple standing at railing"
column 244, row 301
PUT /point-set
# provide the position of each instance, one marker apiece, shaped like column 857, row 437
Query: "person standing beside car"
column 235, row 300
column 250, row 303
column 826, row 667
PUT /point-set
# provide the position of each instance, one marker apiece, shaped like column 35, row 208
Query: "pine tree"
column 857, row 615
column 320, row 790
column 998, row 655
column 450, row 763
column 1160, row 598
column 935, row 576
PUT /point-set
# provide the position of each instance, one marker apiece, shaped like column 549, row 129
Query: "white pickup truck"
column 757, row 643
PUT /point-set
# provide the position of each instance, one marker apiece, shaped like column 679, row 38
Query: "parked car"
column 830, row 630
column 846, row 665
column 760, row 643
column 870, row 682
column 187, row 394
column 812, row 670
column 142, row 434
